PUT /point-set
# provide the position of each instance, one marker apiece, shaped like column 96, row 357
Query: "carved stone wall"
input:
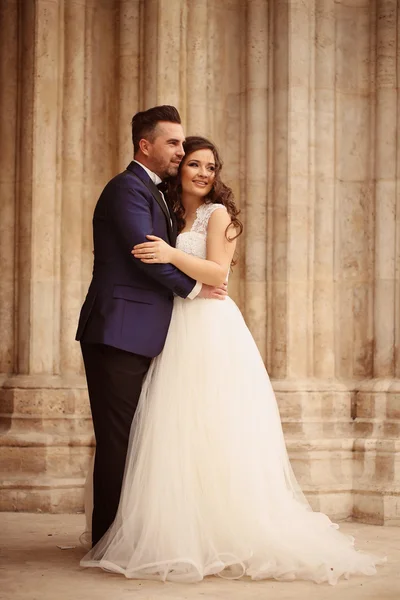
column 302, row 99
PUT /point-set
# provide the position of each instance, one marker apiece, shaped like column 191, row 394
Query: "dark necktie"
column 163, row 187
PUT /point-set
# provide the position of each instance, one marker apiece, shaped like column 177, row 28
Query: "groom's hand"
column 214, row 293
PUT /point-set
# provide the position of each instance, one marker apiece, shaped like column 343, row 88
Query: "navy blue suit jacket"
column 129, row 303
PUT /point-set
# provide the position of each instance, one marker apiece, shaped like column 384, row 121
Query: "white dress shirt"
column 156, row 180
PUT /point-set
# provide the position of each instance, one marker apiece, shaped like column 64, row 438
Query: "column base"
column 376, row 487
column 342, row 438
column 344, row 443
column 318, row 426
column 46, row 441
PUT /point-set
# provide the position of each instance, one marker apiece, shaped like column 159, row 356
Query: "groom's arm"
column 130, row 213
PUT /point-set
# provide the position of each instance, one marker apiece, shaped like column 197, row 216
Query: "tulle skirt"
column 208, row 487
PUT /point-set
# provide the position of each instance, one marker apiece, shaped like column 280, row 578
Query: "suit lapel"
column 143, row 176
column 174, row 228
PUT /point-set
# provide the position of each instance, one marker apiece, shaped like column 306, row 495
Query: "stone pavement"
column 32, row 567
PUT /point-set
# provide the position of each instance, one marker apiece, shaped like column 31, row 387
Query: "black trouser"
column 114, row 378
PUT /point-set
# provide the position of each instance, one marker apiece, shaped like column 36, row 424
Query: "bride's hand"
column 153, row 252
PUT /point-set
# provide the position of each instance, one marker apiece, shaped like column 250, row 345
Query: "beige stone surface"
column 302, row 100
column 34, row 568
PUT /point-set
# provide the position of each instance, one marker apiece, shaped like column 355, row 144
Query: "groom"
column 126, row 314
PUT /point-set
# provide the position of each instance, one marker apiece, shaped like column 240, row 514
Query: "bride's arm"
column 212, row 271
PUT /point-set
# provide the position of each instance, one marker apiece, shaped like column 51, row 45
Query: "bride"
column 208, row 488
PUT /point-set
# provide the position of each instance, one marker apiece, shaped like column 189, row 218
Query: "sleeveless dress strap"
column 203, row 215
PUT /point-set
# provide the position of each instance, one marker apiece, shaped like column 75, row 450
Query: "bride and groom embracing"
column 191, row 473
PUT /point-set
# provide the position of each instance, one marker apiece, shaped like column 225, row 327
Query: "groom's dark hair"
column 144, row 123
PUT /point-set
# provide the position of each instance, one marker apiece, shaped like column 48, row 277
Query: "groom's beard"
column 166, row 169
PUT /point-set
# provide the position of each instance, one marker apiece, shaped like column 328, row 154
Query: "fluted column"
column 197, row 67
column 324, row 210
column 101, row 128
column 255, row 302
column 23, row 401
column 300, row 188
column 162, row 24
column 128, row 104
column 73, row 119
column 377, row 424
column 8, row 153
column 224, row 99
column 38, row 326
column 66, row 138
column 397, row 298
column 315, row 407
column 386, row 175
column 278, row 185
column 354, row 188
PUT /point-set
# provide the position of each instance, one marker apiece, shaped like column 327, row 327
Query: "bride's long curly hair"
column 219, row 194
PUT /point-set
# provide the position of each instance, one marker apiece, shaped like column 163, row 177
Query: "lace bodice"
column 194, row 242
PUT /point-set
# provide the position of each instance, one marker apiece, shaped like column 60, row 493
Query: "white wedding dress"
column 208, row 487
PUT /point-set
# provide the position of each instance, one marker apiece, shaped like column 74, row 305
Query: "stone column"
column 197, row 67
column 324, row 207
column 38, row 193
column 162, row 44
column 315, row 406
column 256, row 191
column 8, row 153
column 73, row 136
column 354, row 259
column 129, row 56
column 62, row 159
column 377, row 464
column 225, row 108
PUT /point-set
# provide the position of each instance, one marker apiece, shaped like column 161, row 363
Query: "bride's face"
column 198, row 173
